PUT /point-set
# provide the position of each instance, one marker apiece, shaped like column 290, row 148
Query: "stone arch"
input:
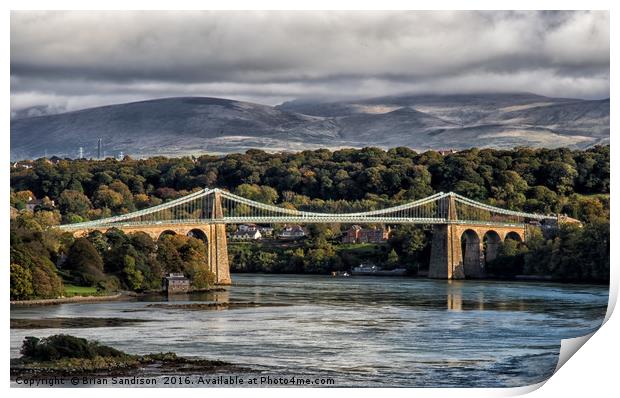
column 198, row 234
column 472, row 253
column 491, row 244
column 166, row 232
column 514, row 235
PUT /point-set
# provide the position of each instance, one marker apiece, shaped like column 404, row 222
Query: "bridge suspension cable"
column 200, row 207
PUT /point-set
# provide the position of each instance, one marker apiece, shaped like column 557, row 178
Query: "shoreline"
column 113, row 297
column 74, row 299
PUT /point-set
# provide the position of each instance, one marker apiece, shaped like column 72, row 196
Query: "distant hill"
column 196, row 125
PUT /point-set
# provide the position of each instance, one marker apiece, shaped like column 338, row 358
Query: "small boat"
column 373, row 270
column 340, row 273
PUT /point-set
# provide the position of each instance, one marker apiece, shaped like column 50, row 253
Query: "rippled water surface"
column 360, row 331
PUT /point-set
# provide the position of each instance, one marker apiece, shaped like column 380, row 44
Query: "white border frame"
column 592, row 371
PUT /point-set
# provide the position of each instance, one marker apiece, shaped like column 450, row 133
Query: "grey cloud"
column 80, row 59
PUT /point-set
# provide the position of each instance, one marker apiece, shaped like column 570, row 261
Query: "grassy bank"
column 73, row 290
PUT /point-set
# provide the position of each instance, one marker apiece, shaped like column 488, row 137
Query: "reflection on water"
column 455, row 300
column 478, row 303
column 361, row 331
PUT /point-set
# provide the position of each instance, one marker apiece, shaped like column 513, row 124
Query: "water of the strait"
column 359, row 331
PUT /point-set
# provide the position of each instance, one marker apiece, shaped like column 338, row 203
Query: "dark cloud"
column 73, row 60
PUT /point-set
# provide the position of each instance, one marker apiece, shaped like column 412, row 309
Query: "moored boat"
column 373, row 270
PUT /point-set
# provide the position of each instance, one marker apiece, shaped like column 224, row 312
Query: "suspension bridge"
column 204, row 214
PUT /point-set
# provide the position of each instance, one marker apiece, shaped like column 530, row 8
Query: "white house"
column 247, row 235
column 292, row 232
column 247, row 227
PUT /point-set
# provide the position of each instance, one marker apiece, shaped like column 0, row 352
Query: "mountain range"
column 198, row 125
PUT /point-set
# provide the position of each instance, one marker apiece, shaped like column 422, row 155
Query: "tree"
column 167, row 193
column 408, row 241
column 141, row 201
column 296, row 264
column 267, row 260
column 320, row 231
column 125, row 192
column 74, row 202
column 263, row 194
column 203, row 279
column 541, row 200
column 595, row 246
column 24, row 196
column 106, row 197
column 168, row 256
column 392, row 260
column 510, row 189
column 133, row 275
column 560, row 176
column 45, row 282
column 32, row 250
column 21, row 283
column 143, row 242
column 85, row 262
column 471, row 190
column 585, row 208
column 47, row 218
column 100, row 243
column 420, row 183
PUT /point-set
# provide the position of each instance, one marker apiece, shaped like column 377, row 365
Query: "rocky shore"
column 68, row 356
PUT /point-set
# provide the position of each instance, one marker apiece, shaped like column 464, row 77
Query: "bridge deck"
column 289, row 220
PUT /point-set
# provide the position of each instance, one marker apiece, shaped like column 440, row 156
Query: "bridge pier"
column 218, row 254
column 218, row 244
column 446, row 254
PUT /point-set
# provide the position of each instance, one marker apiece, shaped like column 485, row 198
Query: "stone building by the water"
column 175, row 283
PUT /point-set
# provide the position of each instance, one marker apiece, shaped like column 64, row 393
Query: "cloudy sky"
column 72, row 60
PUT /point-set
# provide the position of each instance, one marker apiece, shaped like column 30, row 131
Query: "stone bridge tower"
column 218, row 244
column 446, row 254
